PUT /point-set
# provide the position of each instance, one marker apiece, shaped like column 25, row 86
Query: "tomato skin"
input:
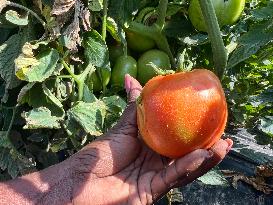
column 227, row 12
column 124, row 65
column 139, row 43
column 158, row 58
column 182, row 112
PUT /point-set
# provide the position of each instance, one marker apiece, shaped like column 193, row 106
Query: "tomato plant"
column 148, row 61
column 124, row 65
column 227, row 12
column 181, row 112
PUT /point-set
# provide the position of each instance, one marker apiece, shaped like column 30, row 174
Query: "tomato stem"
column 161, row 11
column 104, row 19
column 217, row 44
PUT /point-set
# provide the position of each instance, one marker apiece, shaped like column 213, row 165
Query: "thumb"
column 128, row 120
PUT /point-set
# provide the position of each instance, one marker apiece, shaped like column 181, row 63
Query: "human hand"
column 119, row 168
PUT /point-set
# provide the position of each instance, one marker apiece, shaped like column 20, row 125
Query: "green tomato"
column 139, row 43
column 146, row 61
column 99, row 79
column 227, row 12
column 124, row 65
column 115, row 51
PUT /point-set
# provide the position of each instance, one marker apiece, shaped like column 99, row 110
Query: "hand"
column 119, row 168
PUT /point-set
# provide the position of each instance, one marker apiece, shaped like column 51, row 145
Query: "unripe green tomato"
column 138, row 42
column 115, row 51
column 146, row 71
column 227, row 12
column 124, row 65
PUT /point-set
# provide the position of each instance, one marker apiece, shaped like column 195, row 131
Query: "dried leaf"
column 72, row 31
column 62, row 6
column 85, row 18
column 257, row 182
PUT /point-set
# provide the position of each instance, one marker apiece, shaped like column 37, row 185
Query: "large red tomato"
column 182, row 112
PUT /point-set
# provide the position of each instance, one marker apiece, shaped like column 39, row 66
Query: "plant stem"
column 28, row 10
column 104, row 19
column 161, row 11
column 84, row 74
column 70, row 71
column 217, row 44
column 14, row 109
column 80, row 90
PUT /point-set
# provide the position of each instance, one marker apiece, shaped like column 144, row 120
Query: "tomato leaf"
column 90, row 116
column 263, row 13
column 36, row 69
column 259, row 35
column 9, row 51
column 95, row 5
column 41, row 118
column 115, row 106
column 38, row 95
column 116, row 31
column 16, row 18
column 95, row 49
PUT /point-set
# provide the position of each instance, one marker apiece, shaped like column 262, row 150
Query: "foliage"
column 48, row 50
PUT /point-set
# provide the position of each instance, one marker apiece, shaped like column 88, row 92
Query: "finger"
column 132, row 87
column 188, row 168
column 127, row 125
column 219, row 150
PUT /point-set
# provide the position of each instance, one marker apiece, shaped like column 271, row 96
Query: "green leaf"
column 95, row 5
column 88, row 96
column 41, row 118
column 17, row 19
column 259, row 35
column 38, row 95
column 95, row 49
column 116, row 31
column 4, row 140
column 266, row 125
column 39, row 68
column 9, row 51
column 115, row 106
column 214, row 177
column 263, row 13
column 264, row 98
column 122, row 10
column 52, row 98
column 14, row 162
column 90, row 116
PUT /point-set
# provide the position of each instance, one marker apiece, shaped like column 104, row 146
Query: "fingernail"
column 230, row 144
column 127, row 83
